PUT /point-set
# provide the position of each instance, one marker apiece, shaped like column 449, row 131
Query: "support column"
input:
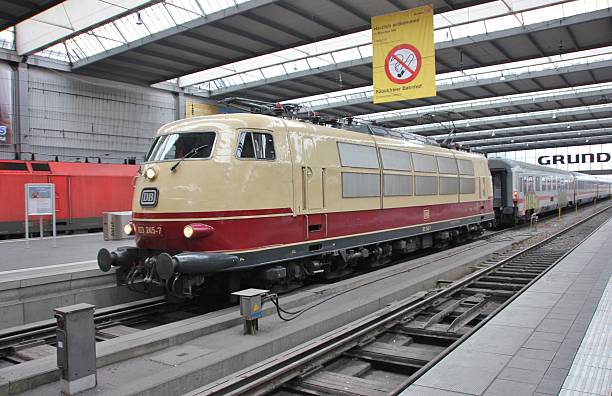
column 22, row 111
column 180, row 107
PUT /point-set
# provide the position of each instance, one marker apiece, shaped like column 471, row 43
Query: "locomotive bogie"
column 280, row 200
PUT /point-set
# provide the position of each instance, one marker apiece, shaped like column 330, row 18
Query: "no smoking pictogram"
column 403, row 63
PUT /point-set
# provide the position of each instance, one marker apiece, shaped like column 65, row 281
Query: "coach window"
column 255, row 145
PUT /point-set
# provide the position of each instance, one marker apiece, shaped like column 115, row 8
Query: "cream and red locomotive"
column 244, row 199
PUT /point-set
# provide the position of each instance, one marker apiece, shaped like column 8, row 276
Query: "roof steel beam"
column 471, row 136
column 581, row 141
column 496, row 102
column 455, row 43
column 434, row 129
column 451, row 84
column 538, row 136
column 193, row 24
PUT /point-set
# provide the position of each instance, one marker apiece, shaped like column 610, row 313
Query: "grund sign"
column 573, row 159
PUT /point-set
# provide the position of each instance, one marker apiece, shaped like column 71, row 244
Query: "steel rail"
column 282, row 368
column 13, row 337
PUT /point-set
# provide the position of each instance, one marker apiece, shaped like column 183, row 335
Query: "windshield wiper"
column 190, row 154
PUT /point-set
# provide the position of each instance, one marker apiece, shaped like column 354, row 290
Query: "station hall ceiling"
column 15, row 11
column 561, row 53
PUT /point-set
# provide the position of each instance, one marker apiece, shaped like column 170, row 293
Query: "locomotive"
column 521, row 190
column 234, row 200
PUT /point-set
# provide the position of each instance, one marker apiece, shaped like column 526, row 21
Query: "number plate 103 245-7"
column 150, row 230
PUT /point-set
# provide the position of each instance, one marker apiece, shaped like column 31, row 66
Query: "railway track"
column 385, row 352
column 37, row 340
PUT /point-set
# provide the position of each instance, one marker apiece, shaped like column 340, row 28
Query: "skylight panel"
column 183, row 11
column 481, row 73
column 273, row 71
column 7, row 38
column 470, row 21
column 57, row 52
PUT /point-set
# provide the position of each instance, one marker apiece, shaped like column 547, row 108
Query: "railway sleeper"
column 516, row 274
column 498, row 285
column 490, row 292
column 427, row 336
column 328, row 382
column 509, row 279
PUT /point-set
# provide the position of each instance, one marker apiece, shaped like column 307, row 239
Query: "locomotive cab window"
column 189, row 145
column 256, row 145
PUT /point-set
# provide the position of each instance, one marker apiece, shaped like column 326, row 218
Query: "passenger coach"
column 521, row 190
column 254, row 197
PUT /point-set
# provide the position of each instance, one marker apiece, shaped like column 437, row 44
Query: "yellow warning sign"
column 256, row 307
column 403, row 55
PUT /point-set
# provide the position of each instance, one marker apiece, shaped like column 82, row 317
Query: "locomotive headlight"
column 128, row 229
column 150, row 173
column 197, row 230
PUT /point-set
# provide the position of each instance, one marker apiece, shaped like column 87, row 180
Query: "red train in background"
column 83, row 191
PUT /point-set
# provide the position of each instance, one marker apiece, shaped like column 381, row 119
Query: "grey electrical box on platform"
column 113, row 223
column 76, row 347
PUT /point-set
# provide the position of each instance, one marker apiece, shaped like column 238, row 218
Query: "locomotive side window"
column 447, row 165
column 256, row 145
column 13, row 166
column 358, row 156
column 424, row 163
column 449, row 185
column 360, row 185
column 182, row 145
column 397, row 185
column 396, row 160
column 466, row 167
column 426, row 185
column 467, row 185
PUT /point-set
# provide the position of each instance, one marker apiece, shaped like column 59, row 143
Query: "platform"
column 37, row 279
column 71, row 250
column 190, row 353
column 555, row 338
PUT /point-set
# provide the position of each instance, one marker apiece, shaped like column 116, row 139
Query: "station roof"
column 15, row 11
column 510, row 74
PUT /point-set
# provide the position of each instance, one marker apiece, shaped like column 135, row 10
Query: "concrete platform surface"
column 71, row 250
column 37, row 279
column 529, row 347
column 179, row 357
